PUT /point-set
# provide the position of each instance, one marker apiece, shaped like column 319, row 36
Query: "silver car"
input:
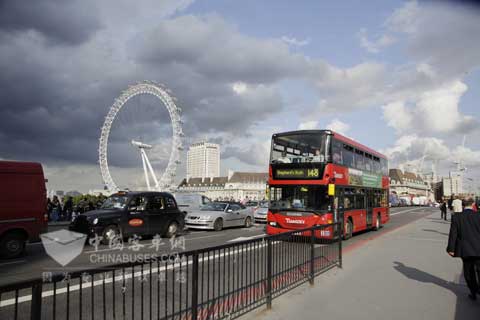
column 219, row 215
column 260, row 213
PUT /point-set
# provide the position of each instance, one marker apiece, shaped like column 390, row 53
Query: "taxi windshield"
column 115, row 202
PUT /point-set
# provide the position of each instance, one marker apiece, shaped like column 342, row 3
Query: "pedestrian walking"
column 450, row 205
column 49, row 209
column 68, row 208
column 56, row 209
column 443, row 209
column 457, row 205
column 464, row 243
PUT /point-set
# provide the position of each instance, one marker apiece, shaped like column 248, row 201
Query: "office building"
column 203, row 160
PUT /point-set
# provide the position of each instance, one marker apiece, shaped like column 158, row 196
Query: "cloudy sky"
column 401, row 77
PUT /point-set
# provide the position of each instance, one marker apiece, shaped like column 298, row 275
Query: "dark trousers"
column 471, row 272
column 444, row 214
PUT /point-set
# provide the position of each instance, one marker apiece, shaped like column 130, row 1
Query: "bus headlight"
column 272, row 223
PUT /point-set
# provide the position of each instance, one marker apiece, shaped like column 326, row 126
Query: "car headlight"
column 273, row 223
column 205, row 218
column 95, row 221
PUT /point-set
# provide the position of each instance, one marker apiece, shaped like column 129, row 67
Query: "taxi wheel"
column 172, row 229
column 218, row 224
column 111, row 234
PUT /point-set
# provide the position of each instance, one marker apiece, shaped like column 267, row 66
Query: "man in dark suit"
column 464, row 242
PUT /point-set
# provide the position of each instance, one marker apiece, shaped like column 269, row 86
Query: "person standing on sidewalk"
column 443, row 209
column 457, row 205
column 464, row 242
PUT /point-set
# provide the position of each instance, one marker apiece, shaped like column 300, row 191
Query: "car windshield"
column 187, row 200
column 115, row 202
column 299, row 148
column 214, row 206
column 301, row 198
column 264, row 205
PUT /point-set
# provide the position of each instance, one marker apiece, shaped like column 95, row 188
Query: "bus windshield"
column 302, row 198
column 299, row 148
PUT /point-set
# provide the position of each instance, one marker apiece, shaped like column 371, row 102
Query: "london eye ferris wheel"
column 139, row 132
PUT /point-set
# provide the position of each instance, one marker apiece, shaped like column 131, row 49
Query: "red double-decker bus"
column 319, row 177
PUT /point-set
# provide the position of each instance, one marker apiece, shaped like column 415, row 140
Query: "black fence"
column 212, row 283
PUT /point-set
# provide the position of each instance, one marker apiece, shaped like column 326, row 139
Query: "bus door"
column 369, row 206
column 339, row 208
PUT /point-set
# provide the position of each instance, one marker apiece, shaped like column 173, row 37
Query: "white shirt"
column 457, row 205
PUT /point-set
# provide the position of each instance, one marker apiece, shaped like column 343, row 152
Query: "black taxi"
column 127, row 214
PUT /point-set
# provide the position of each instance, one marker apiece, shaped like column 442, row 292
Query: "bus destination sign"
column 297, row 173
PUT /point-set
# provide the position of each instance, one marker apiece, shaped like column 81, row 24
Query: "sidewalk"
column 404, row 274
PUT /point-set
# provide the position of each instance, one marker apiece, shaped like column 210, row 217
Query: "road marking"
column 186, row 239
column 155, row 270
column 12, row 262
column 34, row 243
column 246, row 238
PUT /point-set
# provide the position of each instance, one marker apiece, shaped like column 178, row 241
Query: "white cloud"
column 469, row 158
column 338, row 126
column 239, row 87
column 295, row 42
column 405, row 19
column 412, row 152
column 308, row 125
column 417, row 153
column 433, row 111
column 376, row 45
column 397, row 115
column 438, row 109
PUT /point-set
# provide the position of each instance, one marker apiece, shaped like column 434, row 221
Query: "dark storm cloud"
column 64, row 21
column 54, row 97
column 214, row 49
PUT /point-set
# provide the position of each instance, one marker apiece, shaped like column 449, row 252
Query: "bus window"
column 359, row 160
column 337, row 151
column 359, row 199
column 377, row 167
column 349, row 199
column 368, row 162
column 299, row 148
column 348, row 156
column 384, row 165
column 300, row 197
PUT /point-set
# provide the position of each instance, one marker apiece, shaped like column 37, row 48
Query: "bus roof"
column 360, row 146
column 336, row 135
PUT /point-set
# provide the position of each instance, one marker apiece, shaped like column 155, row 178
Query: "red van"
column 23, row 204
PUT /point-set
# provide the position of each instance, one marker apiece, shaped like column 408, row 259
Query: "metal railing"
column 219, row 282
